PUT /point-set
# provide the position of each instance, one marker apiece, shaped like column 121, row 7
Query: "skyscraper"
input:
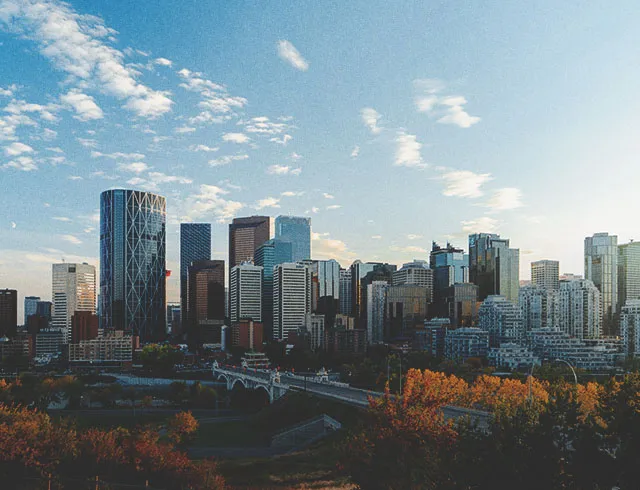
column 493, row 266
column 345, row 292
column 30, row 306
column 205, row 302
column 132, row 263
column 630, row 327
column 245, row 293
column 267, row 256
column 195, row 244
column 376, row 304
column 291, row 298
column 406, row 309
column 8, row 311
column 245, row 236
column 580, row 313
column 628, row 272
column 450, row 265
column 601, row 267
column 546, row 273
column 416, row 272
column 74, row 289
column 296, row 230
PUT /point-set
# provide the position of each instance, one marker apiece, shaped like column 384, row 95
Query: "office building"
column 345, row 292
column 601, row 267
column 464, row 343
column 297, row 231
column 84, row 326
column 459, row 304
column 380, row 272
column 50, row 342
column 245, row 293
column 493, row 266
column 628, row 272
column 417, row 273
column 327, row 273
column 44, row 308
column 74, row 289
column 406, row 309
column 291, row 298
column 630, row 327
column 195, row 244
column 376, row 307
column 174, row 318
column 540, row 307
column 450, row 266
column 546, row 273
column 568, row 276
column 247, row 334
column 19, row 349
column 245, row 236
column 358, row 271
column 132, row 263
column 30, row 306
column 8, row 312
column 502, row 319
column 314, row 325
column 431, row 338
column 267, row 256
column 340, row 340
column 580, row 313
column 112, row 350
column 205, row 301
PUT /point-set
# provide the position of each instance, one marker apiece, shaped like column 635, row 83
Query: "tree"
column 161, row 359
column 182, row 427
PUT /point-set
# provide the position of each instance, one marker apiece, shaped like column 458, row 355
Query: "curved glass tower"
column 132, row 263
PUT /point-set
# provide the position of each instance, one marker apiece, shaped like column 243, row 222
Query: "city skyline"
column 469, row 143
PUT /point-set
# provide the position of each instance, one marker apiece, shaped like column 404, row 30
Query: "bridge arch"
column 236, row 381
column 265, row 390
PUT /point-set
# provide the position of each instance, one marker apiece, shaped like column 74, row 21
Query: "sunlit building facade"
column 73, row 289
column 601, row 267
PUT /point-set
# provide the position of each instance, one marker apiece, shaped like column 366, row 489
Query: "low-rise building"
column 49, row 342
column 248, row 335
column 114, row 349
column 512, row 356
column 464, row 343
column 346, row 341
column 431, row 337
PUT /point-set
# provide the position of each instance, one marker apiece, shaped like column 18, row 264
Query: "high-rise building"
column 328, row 274
column 297, row 231
column 315, row 327
column 630, row 327
column 133, row 263
column 628, row 272
column 450, row 265
column 416, row 272
column 461, row 304
column 345, row 292
column 84, row 326
column 380, row 272
column 358, row 271
column 245, row 293
column 546, row 273
column 493, row 266
column 291, row 298
column 248, row 335
column 580, row 314
column 376, row 306
column 406, row 309
column 195, row 244
column 30, row 306
column 245, row 236
column 502, row 319
column 267, row 256
column 540, row 307
column 43, row 309
column 74, row 289
column 8, row 311
column 601, row 267
column 205, row 302
column 174, row 318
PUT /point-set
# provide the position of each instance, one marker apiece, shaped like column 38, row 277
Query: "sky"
column 390, row 124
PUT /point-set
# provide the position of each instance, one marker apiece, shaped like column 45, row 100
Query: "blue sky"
column 391, row 124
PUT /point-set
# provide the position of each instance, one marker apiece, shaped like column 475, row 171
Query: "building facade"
column 450, row 266
column 205, row 301
column 345, row 292
column 540, row 307
column 546, row 273
column 292, row 300
column 315, row 327
column 84, row 326
column 30, row 306
column 630, row 327
column 297, row 231
column 418, row 273
column 133, row 263
column 376, row 308
column 463, row 343
column 195, row 244
column 248, row 335
column 245, row 293
column 493, row 266
column 73, row 289
column 628, row 272
column 245, row 236
column 579, row 311
column 502, row 319
column 406, row 309
column 601, row 267
column 8, row 312
column 460, row 304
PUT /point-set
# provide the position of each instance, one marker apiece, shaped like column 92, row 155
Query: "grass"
column 126, row 420
column 229, row 434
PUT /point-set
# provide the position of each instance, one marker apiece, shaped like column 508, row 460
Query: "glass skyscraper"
column 493, row 266
column 628, row 273
column 133, row 263
column 296, row 230
column 601, row 267
column 195, row 244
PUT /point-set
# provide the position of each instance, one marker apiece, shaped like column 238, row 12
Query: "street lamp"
column 575, row 376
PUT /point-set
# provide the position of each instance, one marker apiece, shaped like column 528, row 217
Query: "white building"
column 416, row 272
column 540, row 307
column 502, row 319
column 315, row 330
column 245, row 293
column 580, row 309
column 546, row 273
column 376, row 300
column 512, row 356
column 630, row 327
column 462, row 343
column 74, row 289
column 113, row 348
column 292, row 297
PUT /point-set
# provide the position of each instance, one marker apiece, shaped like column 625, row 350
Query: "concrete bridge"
column 276, row 384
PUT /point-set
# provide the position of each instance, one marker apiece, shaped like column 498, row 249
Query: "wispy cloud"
column 134, row 167
column 505, row 199
column 62, row 218
column 291, row 55
column 227, row 159
column 162, row 62
column 292, row 193
column 370, row 117
column 215, row 97
column 26, row 164
column 448, row 109
column 334, row 206
column 464, row 183
column 118, row 155
column 84, row 105
column 71, row 239
column 283, row 170
column 204, row 148
column 355, row 152
column 211, row 202
column 235, row 138
column 326, row 195
column 17, row 148
column 413, row 237
column 267, row 202
column 184, row 130
column 408, row 151
column 485, row 224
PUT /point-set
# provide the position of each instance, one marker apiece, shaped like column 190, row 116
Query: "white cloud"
column 290, row 54
column 447, row 108
column 20, row 107
column 87, row 142
column 62, row 218
column 464, row 183
column 327, row 195
column 206, row 117
column 203, row 148
column 282, row 141
column 315, row 210
column 184, row 129
column 295, row 157
column 71, row 239
column 80, row 46
column 283, row 170
column 408, row 151
column 334, row 206
column 75, row 177
column 227, row 159
column 413, row 237
column 409, row 249
column 26, row 164
column 235, row 138
column 56, row 160
column 161, row 178
column 376, row 237
column 49, row 134
column 13, row 225
column 84, row 105
column 370, row 117
column 17, row 148
column 504, row 199
column 268, row 202
column 210, row 202
column 215, row 97
column 9, row 91
column 484, row 224
column 292, row 193
column 325, row 248
column 355, row 152
column 56, row 149
column 262, row 125
column 118, row 155
column 162, row 62
column 134, row 167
